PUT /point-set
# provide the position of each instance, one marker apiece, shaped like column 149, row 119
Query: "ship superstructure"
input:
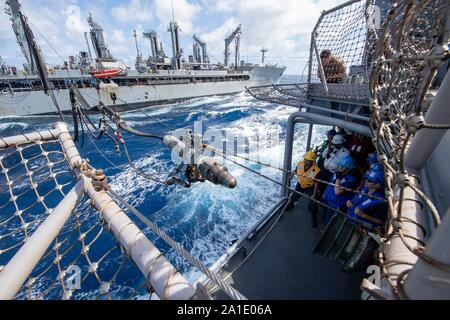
column 156, row 80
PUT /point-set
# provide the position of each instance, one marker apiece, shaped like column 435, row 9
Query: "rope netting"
column 341, row 52
column 413, row 45
column 84, row 261
column 288, row 94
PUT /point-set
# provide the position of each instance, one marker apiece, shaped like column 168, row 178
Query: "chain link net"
column 85, row 261
column 341, row 52
column 411, row 48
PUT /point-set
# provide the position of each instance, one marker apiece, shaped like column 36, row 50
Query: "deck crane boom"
column 98, row 41
column 202, row 44
column 234, row 36
column 174, row 30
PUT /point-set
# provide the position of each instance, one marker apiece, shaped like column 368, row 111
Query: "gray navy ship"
column 154, row 81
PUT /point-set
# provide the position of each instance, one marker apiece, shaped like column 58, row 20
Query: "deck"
column 284, row 268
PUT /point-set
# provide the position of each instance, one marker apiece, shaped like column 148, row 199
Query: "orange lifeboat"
column 109, row 73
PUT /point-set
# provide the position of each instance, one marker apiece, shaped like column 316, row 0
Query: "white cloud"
column 184, row 11
column 225, row 5
column 215, row 39
column 74, row 21
column 134, row 11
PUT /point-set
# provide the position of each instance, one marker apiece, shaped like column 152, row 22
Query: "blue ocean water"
column 206, row 218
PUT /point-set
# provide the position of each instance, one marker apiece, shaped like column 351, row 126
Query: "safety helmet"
column 338, row 139
column 310, row 156
column 331, row 133
column 372, row 158
column 346, row 162
column 376, row 176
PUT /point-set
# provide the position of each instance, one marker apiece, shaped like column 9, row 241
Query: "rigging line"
column 102, row 155
column 144, row 113
column 135, row 132
column 294, row 173
column 135, row 109
column 135, row 169
column 82, row 117
column 227, row 288
column 139, row 172
column 51, row 46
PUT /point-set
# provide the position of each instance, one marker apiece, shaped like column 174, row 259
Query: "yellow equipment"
column 310, row 156
column 305, row 176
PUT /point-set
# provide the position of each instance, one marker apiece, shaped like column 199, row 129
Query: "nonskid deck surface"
column 284, row 267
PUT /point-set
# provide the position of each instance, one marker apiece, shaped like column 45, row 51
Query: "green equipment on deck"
column 347, row 243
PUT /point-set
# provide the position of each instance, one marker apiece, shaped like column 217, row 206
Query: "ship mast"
column 263, row 51
column 136, row 42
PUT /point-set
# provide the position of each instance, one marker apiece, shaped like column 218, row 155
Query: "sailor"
column 325, row 148
column 334, row 67
column 359, row 148
column 335, row 196
column 338, row 152
column 374, row 165
column 307, row 171
column 370, row 211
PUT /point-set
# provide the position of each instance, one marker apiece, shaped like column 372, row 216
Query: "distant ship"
column 154, row 81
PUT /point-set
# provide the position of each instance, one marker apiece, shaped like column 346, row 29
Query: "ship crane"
column 174, row 30
column 98, row 41
column 236, row 37
column 140, row 66
column 3, row 67
column 13, row 9
column 202, row 44
column 197, row 52
column 158, row 53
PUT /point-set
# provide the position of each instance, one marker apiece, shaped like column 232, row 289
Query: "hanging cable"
column 135, row 169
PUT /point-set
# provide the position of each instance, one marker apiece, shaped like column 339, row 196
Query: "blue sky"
column 282, row 26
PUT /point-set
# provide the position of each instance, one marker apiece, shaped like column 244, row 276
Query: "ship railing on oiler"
column 60, row 223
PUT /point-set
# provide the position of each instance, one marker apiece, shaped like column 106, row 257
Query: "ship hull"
column 132, row 97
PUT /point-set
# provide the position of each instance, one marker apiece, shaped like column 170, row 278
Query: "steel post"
column 426, row 140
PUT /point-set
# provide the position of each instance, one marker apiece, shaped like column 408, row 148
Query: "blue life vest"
column 365, row 204
column 339, row 201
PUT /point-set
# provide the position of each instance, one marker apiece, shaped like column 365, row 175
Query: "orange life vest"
column 304, row 177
